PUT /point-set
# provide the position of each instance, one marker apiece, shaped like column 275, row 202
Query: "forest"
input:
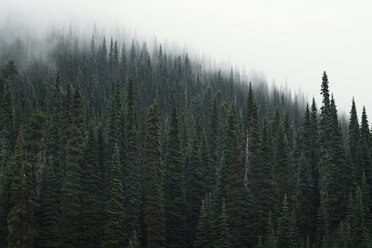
column 110, row 144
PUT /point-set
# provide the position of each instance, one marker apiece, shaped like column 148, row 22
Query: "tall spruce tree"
column 205, row 235
column 286, row 235
column 21, row 217
column 354, row 139
column 131, row 168
column 174, row 187
column 6, row 168
column 90, row 199
column 234, row 189
column 283, row 171
column 304, row 193
column 154, row 218
column 71, row 186
column 113, row 229
column 195, row 186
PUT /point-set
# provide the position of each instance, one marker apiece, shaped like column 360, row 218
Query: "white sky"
column 291, row 41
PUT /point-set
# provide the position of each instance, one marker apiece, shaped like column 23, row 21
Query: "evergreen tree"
column 51, row 176
column 286, row 237
column 6, row 168
column 174, row 187
column 113, row 230
column 21, row 217
column 71, row 185
column 304, row 205
column 205, row 235
column 339, row 173
column 234, row 189
column 354, row 137
column 195, row 187
column 283, row 173
column 90, row 200
column 131, row 168
column 223, row 229
column 265, row 193
column 48, row 211
column 153, row 183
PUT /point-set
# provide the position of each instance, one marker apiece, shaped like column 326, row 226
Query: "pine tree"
column 339, row 173
column 6, row 168
column 5, row 193
column 304, row 205
column 71, row 186
column 213, row 136
column 48, row 211
column 131, row 168
column 205, row 235
column 265, row 191
column 113, row 231
column 195, row 187
column 234, row 189
column 286, row 238
column 271, row 239
column 6, row 123
column 283, row 173
column 21, row 219
column 154, row 218
column 51, row 176
column 174, row 187
column 223, row 229
column 354, row 137
column 90, row 199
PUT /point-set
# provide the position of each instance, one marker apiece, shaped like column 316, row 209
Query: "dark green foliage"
column 131, row 168
column 354, row 139
column 21, row 217
column 195, row 186
column 235, row 192
column 71, row 185
column 286, row 235
column 282, row 168
column 113, row 230
column 174, row 187
column 90, row 198
column 48, row 211
column 154, row 214
column 304, row 196
column 205, row 235
column 92, row 192
column 223, row 232
column 265, row 190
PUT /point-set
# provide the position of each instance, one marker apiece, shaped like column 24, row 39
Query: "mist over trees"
column 114, row 144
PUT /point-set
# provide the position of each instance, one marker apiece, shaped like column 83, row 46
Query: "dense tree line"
column 134, row 148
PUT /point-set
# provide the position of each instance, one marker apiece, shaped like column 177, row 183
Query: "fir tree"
column 354, row 137
column 283, row 178
column 195, row 187
column 154, row 218
column 48, row 211
column 71, row 185
column 131, row 168
column 174, row 187
column 205, row 235
column 21, row 219
column 304, row 205
column 113, row 231
column 286, row 238
column 90, row 200
column 223, row 229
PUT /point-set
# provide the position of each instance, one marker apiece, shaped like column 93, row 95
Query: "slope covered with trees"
column 113, row 144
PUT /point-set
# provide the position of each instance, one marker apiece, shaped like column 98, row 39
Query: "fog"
column 290, row 42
